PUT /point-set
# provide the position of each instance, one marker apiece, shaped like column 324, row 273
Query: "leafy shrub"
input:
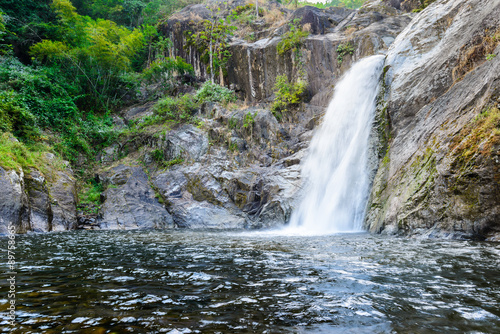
column 344, row 49
column 157, row 155
column 15, row 118
column 164, row 69
column 293, row 39
column 287, row 95
column 211, row 92
column 34, row 99
column 178, row 109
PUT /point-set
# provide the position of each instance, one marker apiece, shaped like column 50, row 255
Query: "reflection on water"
column 220, row 282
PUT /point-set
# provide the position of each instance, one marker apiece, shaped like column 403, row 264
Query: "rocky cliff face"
column 254, row 66
column 440, row 175
column 39, row 202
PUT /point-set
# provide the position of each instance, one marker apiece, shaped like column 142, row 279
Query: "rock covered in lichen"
column 432, row 181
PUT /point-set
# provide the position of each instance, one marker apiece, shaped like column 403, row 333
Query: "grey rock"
column 187, row 142
column 62, row 190
column 39, row 201
column 424, row 186
column 196, row 200
column 320, row 20
column 130, row 202
column 14, row 205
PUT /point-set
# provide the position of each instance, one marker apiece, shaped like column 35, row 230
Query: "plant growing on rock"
column 343, row 50
column 287, row 95
column 423, row 5
column 164, row 71
column 293, row 39
column 212, row 92
column 178, row 109
column 249, row 121
column 211, row 39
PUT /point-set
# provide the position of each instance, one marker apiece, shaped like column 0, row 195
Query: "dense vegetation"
column 66, row 66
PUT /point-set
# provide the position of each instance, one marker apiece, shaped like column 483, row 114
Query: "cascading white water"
column 335, row 172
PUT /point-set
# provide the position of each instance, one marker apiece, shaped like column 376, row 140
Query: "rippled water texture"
column 220, row 282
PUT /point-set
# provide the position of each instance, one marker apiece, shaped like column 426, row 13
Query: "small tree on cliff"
column 211, row 39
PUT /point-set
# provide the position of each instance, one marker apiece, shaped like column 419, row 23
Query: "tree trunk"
column 211, row 63
column 221, row 76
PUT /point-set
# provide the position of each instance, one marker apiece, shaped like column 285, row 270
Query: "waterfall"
column 335, row 172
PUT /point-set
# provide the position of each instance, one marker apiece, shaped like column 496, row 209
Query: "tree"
column 97, row 50
column 211, row 39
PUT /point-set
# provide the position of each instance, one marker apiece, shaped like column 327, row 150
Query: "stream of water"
column 335, row 171
column 183, row 281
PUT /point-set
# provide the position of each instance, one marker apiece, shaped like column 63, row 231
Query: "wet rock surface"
column 434, row 180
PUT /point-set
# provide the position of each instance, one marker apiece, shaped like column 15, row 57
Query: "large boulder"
column 440, row 175
column 130, row 202
column 197, row 200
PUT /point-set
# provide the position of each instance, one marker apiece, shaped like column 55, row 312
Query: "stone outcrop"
column 440, row 175
column 254, row 66
column 14, row 204
column 130, row 202
column 37, row 201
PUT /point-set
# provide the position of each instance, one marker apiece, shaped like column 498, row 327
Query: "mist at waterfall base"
column 335, row 172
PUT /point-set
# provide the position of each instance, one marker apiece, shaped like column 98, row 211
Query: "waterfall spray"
column 335, row 172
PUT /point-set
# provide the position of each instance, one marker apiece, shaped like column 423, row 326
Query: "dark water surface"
column 236, row 282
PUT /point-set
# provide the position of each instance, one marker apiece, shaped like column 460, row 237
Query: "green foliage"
column 233, row 123
column 423, row 5
column 287, row 95
column 172, row 162
column 249, row 120
column 293, row 39
column 211, row 39
column 344, row 49
column 244, row 15
column 15, row 154
column 211, row 92
column 490, row 56
column 37, row 99
column 232, row 146
column 158, row 10
column 90, row 196
column 26, row 22
column 178, row 109
column 15, row 118
column 94, row 53
column 4, row 48
column 165, row 70
column 157, row 155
